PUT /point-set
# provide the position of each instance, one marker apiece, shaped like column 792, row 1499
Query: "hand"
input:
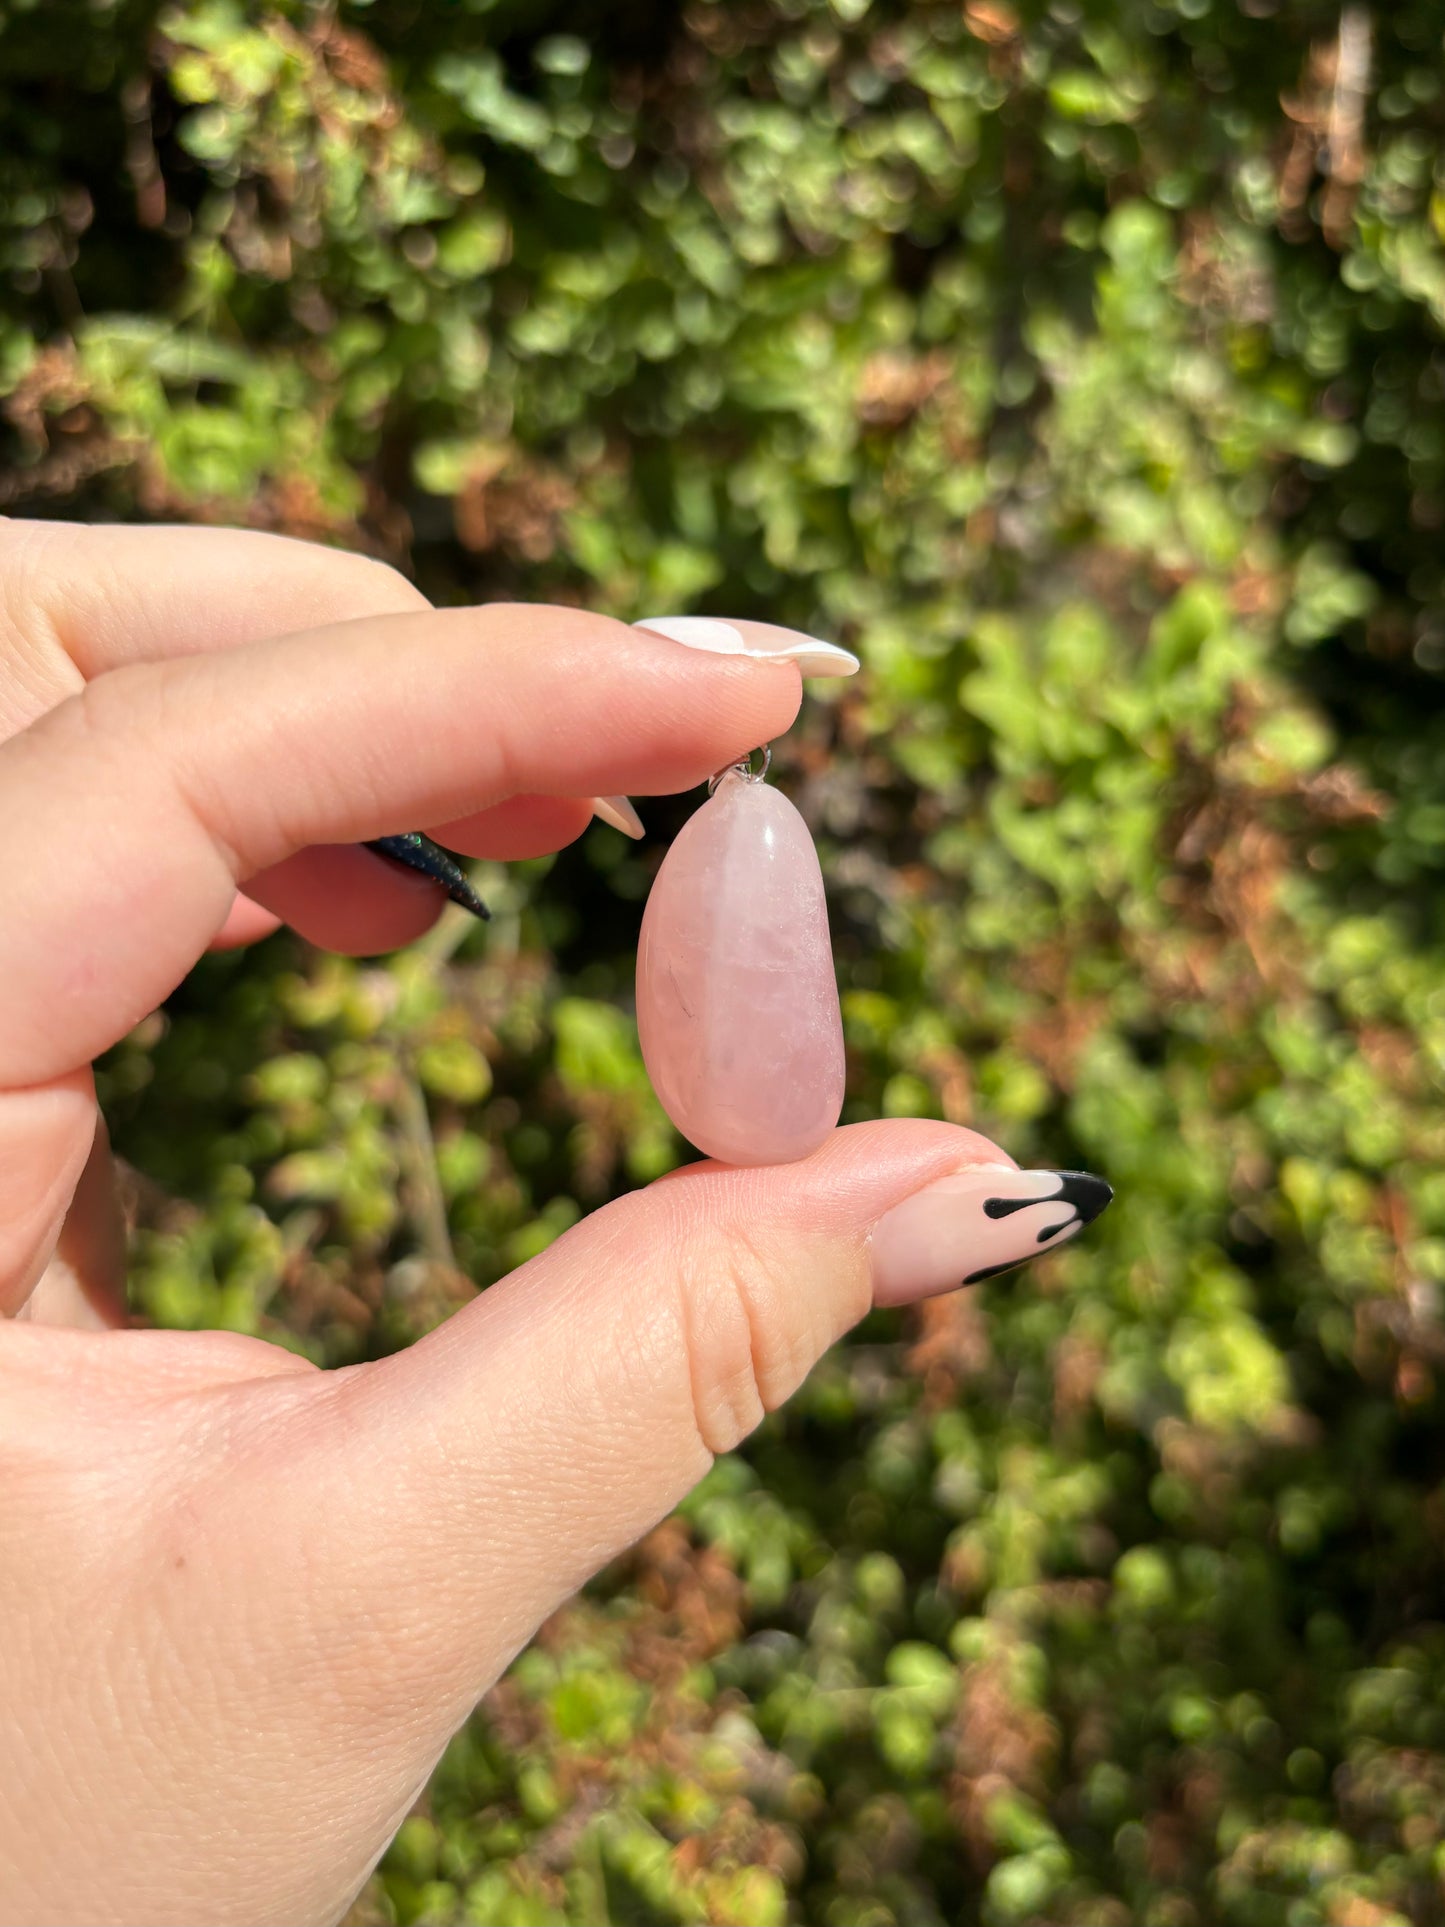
column 244, row 1603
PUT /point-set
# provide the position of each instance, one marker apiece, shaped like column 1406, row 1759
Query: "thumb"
column 539, row 1432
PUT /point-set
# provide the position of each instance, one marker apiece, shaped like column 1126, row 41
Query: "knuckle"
column 142, row 720
column 748, row 1349
column 28, row 629
column 136, row 712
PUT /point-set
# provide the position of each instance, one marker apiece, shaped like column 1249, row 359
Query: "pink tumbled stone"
column 737, row 1004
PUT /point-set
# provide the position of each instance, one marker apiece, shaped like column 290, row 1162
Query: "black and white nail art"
column 1058, row 1204
column 975, row 1224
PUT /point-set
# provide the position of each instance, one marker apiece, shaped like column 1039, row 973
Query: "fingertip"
column 341, row 897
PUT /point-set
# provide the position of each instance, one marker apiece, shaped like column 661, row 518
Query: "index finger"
column 129, row 814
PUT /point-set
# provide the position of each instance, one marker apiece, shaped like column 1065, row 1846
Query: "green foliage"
column 1080, row 365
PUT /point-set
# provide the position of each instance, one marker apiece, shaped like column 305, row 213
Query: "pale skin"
column 244, row 1603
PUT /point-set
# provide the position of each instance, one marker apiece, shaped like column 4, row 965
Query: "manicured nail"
column 617, row 811
column 978, row 1222
column 413, row 851
column 763, row 640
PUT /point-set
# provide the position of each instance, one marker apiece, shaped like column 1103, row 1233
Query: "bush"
column 1081, row 366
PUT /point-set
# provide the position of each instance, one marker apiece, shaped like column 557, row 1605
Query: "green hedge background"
column 1081, row 366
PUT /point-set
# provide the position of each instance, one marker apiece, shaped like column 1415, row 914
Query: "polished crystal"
column 737, row 1003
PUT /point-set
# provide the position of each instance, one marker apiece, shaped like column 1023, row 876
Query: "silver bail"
column 744, row 768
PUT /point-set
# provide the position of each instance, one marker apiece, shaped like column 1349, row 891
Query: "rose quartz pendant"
column 737, row 1004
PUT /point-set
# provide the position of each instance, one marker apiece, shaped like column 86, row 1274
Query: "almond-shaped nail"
column 764, row 641
column 413, row 851
column 988, row 1219
column 618, row 811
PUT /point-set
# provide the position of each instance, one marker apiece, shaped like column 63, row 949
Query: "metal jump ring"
column 744, row 768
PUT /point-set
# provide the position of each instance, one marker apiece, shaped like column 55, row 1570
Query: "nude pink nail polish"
column 764, row 641
column 987, row 1219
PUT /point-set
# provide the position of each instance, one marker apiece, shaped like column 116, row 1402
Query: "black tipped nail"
column 413, row 851
column 1086, row 1193
column 981, row 1221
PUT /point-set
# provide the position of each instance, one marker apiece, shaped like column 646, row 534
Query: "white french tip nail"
column 617, row 811
column 763, row 641
column 818, row 659
column 697, row 632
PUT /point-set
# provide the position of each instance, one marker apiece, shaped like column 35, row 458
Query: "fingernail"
column 413, row 851
column 618, row 811
column 764, row 641
column 976, row 1223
